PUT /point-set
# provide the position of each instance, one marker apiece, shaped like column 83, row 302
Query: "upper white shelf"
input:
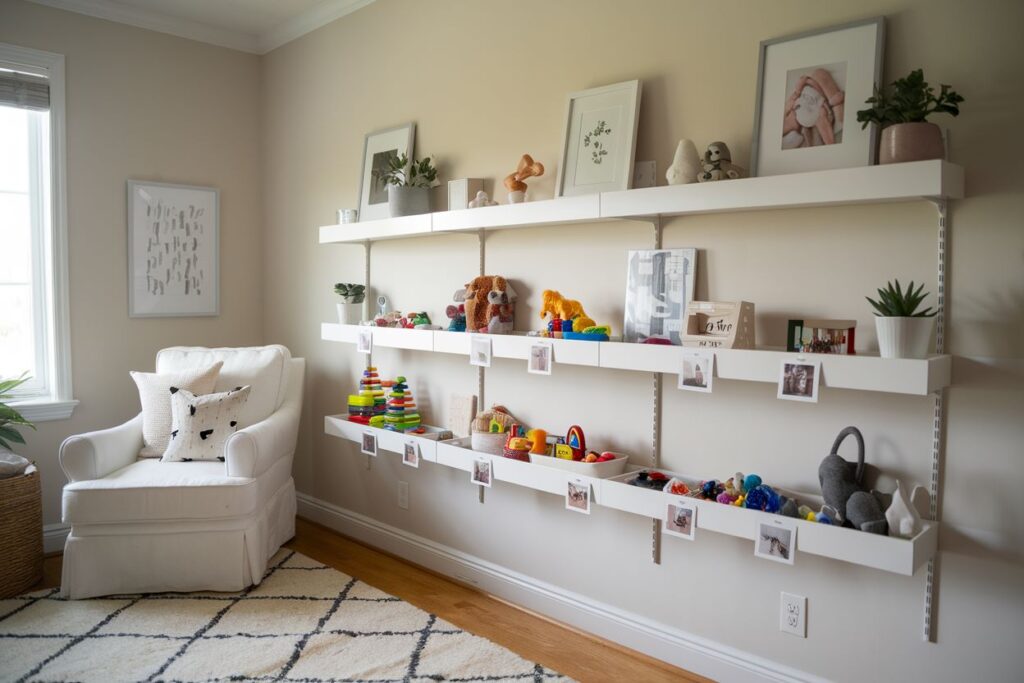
column 868, row 184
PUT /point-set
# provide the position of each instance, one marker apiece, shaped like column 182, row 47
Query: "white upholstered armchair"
column 141, row 525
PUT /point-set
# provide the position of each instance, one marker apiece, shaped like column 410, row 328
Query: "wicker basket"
column 21, row 533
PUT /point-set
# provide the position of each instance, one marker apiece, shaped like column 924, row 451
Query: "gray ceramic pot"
column 408, row 201
column 911, row 142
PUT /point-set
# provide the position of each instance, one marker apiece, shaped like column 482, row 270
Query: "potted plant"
column 9, row 417
column 409, row 182
column 902, row 109
column 903, row 330
column 352, row 296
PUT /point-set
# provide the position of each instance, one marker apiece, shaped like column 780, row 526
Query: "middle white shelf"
column 862, row 372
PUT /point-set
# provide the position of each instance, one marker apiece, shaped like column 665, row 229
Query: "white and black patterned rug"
column 304, row 623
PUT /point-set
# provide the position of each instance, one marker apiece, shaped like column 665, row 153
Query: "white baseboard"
column 667, row 643
column 54, row 536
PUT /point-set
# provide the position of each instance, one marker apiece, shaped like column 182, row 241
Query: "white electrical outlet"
column 793, row 615
column 403, row 495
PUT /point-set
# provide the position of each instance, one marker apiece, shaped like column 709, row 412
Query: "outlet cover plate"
column 793, row 615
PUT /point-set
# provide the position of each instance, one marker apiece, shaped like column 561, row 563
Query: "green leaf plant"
column 9, row 417
column 895, row 302
column 405, row 172
column 909, row 100
column 351, row 293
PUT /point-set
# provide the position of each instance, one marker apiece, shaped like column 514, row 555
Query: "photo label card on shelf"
column 680, row 518
column 481, row 474
column 775, row 539
column 698, row 370
column 369, row 444
column 480, row 351
column 411, row 454
column 364, row 340
column 541, row 358
column 577, row 495
column 799, row 379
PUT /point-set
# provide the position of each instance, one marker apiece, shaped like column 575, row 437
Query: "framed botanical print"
column 377, row 149
column 809, row 86
column 599, row 140
column 173, row 250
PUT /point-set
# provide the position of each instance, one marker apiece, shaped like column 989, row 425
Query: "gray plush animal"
column 842, row 488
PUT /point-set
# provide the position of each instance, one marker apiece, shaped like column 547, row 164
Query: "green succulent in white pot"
column 904, row 328
column 350, row 310
column 409, row 182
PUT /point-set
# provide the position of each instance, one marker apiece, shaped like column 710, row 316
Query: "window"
column 33, row 257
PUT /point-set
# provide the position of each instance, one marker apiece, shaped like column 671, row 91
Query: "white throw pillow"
column 155, row 397
column 203, row 423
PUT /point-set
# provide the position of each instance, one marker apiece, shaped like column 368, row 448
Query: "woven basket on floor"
column 21, row 533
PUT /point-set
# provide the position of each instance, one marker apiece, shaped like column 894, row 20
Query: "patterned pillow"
column 201, row 424
column 156, row 402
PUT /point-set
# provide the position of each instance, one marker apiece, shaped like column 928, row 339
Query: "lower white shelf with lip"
column 387, row 440
column 517, row 347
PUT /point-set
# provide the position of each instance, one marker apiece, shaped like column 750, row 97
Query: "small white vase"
column 901, row 337
column 517, row 197
column 904, row 522
column 350, row 314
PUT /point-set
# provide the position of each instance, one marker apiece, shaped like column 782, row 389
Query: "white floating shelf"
column 897, row 555
column 863, row 372
column 394, row 442
column 867, row 184
column 890, row 183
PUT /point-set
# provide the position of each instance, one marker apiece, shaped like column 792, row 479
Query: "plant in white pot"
column 903, row 330
column 902, row 110
column 409, row 182
column 352, row 296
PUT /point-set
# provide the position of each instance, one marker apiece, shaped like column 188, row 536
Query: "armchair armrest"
column 94, row 455
column 251, row 451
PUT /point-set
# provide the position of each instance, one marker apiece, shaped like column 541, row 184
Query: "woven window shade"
column 24, row 91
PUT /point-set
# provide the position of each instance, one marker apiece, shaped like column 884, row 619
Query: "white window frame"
column 59, row 404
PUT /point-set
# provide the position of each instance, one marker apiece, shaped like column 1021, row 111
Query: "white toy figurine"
column 901, row 515
column 685, row 164
column 481, row 199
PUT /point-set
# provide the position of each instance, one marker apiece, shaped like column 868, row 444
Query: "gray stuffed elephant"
column 842, row 488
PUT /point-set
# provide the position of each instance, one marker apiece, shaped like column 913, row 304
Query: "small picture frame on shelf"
column 680, row 519
column 599, row 140
column 368, row 444
column 775, row 540
column 698, row 370
column 480, row 474
column 411, row 454
column 378, row 148
column 577, row 496
column 364, row 340
column 540, row 358
column 799, row 379
column 480, row 350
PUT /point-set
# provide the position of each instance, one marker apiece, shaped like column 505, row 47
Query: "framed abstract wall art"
column 659, row 284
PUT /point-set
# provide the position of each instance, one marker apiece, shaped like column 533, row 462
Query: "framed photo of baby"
column 808, row 91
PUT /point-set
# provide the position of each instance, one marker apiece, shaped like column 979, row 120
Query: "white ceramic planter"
column 904, row 337
column 408, row 201
column 350, row 314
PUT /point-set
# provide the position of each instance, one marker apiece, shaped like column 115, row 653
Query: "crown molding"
column 297, row 26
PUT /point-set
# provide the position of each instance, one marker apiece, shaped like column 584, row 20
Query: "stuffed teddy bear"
column 490, row 304
column 718, row 164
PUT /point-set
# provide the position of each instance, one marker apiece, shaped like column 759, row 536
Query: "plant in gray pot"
column 350, row 311
column 409, row 182
column 902, row 110
column 903, row 330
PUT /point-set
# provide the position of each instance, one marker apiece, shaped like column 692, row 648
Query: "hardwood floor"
column 559, row 647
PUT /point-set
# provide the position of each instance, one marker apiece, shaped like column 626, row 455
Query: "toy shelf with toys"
column 911, row 181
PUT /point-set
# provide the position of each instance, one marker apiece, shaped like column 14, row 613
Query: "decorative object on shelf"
column 378, row 150
column 573, row 446
column 717, row 164
column 457, row 316
column 173, row 250
column 460, row 191
column 821, row 336
column 490, row 304
column 901, row 515
column 517, row 446
column 842, row 488
column 487, row 433
column 10, row 419
column 346, row 216
column 382, row 306
column 350, row 311
column 803, row 84
column 659, row 285
column 514, row 182
column 799, row 379
column 903, row 330
column 417, row 321
column 567, row 316
column 902, row 110
column 481, row 200
column 677, row 487
column 400, row 413
column 599, row 140
column 685, row 164
column 409, row 181
column 538, row 439
column 461, row 411
column 719, row 325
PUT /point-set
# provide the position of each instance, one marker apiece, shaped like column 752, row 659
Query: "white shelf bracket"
column 367, row 298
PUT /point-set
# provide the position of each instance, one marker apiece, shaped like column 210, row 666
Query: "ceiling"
column 256, row 26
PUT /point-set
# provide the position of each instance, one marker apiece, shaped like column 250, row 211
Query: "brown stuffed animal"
column 490, row 304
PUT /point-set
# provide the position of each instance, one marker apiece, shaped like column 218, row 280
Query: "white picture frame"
column 799, row 379
column 173, row 250
column 599, row 141
column 697, row 370
column 775, row 539
column 680, row 518
column 577, row 495
column 373, row 195
column 849, row 58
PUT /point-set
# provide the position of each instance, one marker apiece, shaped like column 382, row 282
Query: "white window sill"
column 45, row 410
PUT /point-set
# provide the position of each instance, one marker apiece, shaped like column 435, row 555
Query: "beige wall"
column 486, row 81
column 147, row 106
